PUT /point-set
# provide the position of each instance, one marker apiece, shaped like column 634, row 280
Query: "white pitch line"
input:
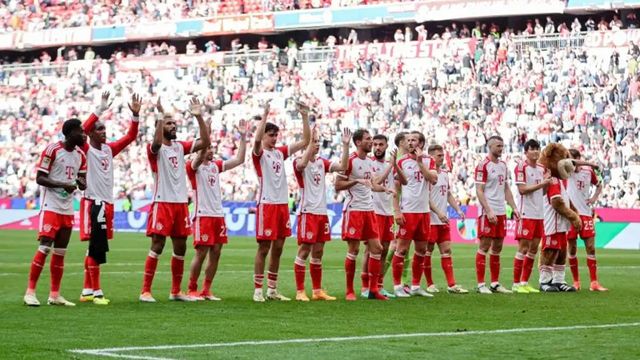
column 113, row 352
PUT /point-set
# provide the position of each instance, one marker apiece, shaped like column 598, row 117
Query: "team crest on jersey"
column 159, row 226
column 268, row 232
column 46, row 161
column 309, row 235
column 352, row 231
column 403, row 231
column 205, row 237
column 525, row 232
column 479, row 177
column 520, row 177
column 47, row 227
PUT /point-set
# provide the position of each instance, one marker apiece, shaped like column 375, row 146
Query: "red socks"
column 87, row 275
column 177, row 269
column 258, row 280
column 206, row 285
column 573, row 264
column 94, row 273
column 57, row 268
column 593, row 267
column 481, row 264
column 193, row 284
column 447, row 267
column 421, row 264
column 315, row 268
column 527, row 268
column 374, row 270
column 36, row 267
column 150, row 266
column 494, row 267
column 518, row 264
column 350, row 271
column 299, row 268
column 272, row 280
column 397, row 266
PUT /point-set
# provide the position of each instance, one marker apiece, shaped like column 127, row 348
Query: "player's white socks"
column 558, row 274
column 545, row 274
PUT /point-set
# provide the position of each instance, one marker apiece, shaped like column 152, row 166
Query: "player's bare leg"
column 353, row 248
column 258, row 269
column 390, row 252
column 417, row 269
column 300, row 270
column 374, row 266
column 494, row 266
column 518, row 266
column 315, row 268
column 397, row 266
column 385, row 264
column 272, row 275
column 446, row 261
column 177, row 270
column 150, row 265
column 590, row 247
column 37, row 264
column 481, row 264
column 364, row 274
column 527, row 267
column 57, row 267
column 572, row 249
column 195, row 268
column 428, row 270
column 547, row 260
column 210, row 272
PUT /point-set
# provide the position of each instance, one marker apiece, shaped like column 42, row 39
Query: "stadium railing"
column 549, row 41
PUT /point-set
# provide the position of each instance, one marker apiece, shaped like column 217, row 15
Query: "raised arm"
column 242, row 150
column 308, row 153
column 344, row 159
column 306, row 130
column 195, row 108
column 400, row 175
column 158, row 136
column 257, row 142
column 119, row 145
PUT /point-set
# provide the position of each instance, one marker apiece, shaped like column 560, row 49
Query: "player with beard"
column 61, row 169
column 359, row 221
column 383, row 206
column 96, row 207
column 169, row 215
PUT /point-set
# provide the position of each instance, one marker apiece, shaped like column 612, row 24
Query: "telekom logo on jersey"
column 69, row 171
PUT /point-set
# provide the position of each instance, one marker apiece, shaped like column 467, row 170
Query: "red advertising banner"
column 238, row 24
column 410, row 50
column 612, row 39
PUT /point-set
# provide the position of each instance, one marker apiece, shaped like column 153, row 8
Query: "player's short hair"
column 421, row 138
column 575, row 154
column 494, row 137
column 359, row 134
column 531, row 144
column 71, row 125
column 381, row 137
column 271, row 127
column 435, row 147
column 399, row 137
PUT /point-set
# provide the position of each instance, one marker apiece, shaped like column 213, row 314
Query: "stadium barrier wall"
column 616, row 228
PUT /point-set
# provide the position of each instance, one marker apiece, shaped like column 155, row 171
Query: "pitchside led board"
column 615, row 228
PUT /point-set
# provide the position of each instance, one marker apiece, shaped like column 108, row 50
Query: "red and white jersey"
column 359, row 196
column 63, row 166
column 169, row 174
column 382, row 201
column 100, row 162
column 415, row 195
column 205, row 181
column 495, row 177
column 312, row 186
column 530, row 205
column 269, row 166
column 439, row 195
column 580, row 189
column 554, row 222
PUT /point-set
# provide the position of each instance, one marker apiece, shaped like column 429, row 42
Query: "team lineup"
column 407, row 188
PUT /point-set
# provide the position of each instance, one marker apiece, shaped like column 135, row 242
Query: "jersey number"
column 101, row 218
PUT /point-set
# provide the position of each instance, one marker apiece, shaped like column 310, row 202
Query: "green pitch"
column 447, row 326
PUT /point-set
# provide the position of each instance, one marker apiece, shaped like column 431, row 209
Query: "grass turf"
column 52, row 331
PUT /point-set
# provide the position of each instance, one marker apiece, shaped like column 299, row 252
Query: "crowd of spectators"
column 588, row 101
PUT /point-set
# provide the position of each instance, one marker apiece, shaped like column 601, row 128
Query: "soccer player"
column 314, row 228
column 492, row 188
column 169, row 215
column 61, row 169
column 420, row 172
column 558, row 217
column 358, row 220
column 531, row 181
column 209, row 228
column 272, row 214
column 382, row 207
column 580, row 194
column 440, row 232
column 96, row 207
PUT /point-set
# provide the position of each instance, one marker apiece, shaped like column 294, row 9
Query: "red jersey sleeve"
column 521, row 174
column 187, row 146
column 284, row 150
column 256, row 162
column 327, row 165
column 83, row 163
column 47, row 158
column 298, row 174
column 219, row 165
column 554, row 190
column 119, row 145
column 432, row 163
column 191, row 174
column 153, row 159
column 481, row 173
column 349, row 166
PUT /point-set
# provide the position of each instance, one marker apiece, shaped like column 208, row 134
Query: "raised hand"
column 346, row 136
column 303, row 109
column 243, row 128
column 393, row 156
column 266, row 109
column 419, row 153
column 365, row 182
column 159, row 105
column 136, row 104
column 104, row 102
column 195, row 107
